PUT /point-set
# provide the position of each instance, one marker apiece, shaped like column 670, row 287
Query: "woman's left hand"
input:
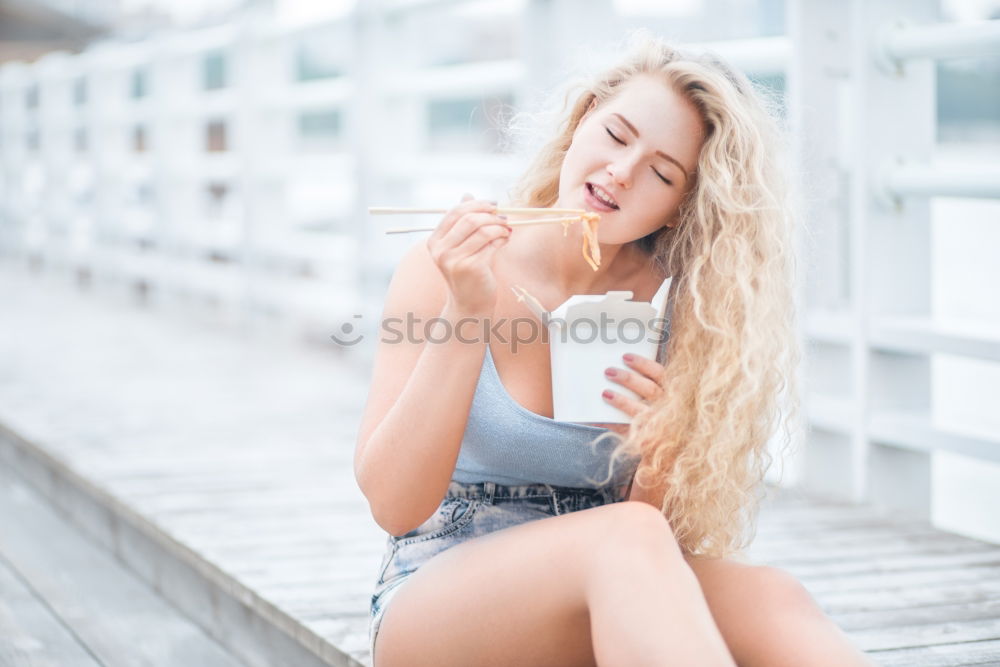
column 642, row 375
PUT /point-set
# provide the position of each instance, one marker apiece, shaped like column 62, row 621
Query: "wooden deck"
column 65, row 601
column 218, row 468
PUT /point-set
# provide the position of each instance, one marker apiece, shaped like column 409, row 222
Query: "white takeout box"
column 587, row 334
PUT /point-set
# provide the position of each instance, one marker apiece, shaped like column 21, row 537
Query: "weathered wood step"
column 65, row 601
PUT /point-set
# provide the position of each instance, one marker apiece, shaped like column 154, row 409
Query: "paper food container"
column 587, row 334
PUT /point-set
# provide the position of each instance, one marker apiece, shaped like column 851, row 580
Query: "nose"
column 621, row 173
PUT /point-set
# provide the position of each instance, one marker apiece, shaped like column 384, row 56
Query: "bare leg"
column 587, row 588
column 656, row 615
column 768, row 618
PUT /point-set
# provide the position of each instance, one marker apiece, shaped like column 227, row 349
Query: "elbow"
column 394, row 507
column 396, row 518
column 384, row 510
column 392, row 525
column 393, row 521
column 367, row 490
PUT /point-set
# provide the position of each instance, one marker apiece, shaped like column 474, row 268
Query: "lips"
column 597, row 196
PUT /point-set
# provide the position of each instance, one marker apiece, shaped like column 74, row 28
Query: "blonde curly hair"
column 733, row 348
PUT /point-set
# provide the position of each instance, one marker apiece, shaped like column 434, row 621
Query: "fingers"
column 638, row 381
column 473, row 231
column 623, row 402
column 452, row 217
column 643, row 377
column 648, row 367
column 643, row 386
column 481, row 243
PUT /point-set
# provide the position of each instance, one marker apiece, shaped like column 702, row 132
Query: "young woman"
column 510, row 541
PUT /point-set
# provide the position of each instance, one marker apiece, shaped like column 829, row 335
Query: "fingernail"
column 629, row 358
column 610, row 372
column 502, row 217
column 608, row 394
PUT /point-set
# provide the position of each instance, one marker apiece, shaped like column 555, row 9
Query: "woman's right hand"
column 463, row 247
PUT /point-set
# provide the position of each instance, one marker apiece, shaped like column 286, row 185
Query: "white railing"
column 903, row 42
column 926, row 180
column 862, row 87
column 761, row 56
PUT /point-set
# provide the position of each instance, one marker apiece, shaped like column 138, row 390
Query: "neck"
column 560, row 264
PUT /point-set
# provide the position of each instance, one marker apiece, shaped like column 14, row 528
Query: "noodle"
column 591, row 248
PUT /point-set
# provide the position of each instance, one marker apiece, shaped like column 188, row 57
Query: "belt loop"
column 555, row 501
column 490, row 488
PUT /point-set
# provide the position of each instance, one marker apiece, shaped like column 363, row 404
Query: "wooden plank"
column 30, row 634
column 829, row 528
column 886, row 544
column 942, row 655
column 307, row 573
column 845, row 602
column 920, row 562
column 347, row 631
column 299, row 546
column 834, row 539
column 809, row 514
column 886, row 580
column 926, row 634
column 106, row 606
column 170, row 502
column 927, row 615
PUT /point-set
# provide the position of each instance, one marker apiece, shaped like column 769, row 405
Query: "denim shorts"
column 468, row 511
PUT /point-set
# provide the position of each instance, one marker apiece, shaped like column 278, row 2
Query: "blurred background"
column 215, row 159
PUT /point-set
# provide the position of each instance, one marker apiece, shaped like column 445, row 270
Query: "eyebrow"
column 634, row 131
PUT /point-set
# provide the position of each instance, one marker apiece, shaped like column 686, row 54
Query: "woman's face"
column 639, row 149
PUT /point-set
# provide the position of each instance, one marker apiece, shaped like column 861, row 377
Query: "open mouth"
column 600, row 200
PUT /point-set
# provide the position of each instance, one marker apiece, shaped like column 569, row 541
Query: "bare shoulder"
column 417, row 284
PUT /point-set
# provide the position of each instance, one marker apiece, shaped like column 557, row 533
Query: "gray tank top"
column 506, row 443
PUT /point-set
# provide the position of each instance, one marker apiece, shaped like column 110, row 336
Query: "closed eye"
column 665, row 180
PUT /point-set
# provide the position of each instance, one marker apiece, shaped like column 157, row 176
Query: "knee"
column 639, row 529
column 781, row 594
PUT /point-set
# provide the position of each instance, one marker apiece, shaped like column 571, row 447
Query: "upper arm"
column 417, row 290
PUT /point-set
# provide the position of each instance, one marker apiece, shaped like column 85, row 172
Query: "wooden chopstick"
column 384, row 210
column 512, row 223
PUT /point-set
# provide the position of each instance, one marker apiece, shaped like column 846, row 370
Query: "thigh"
column 516, row 596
